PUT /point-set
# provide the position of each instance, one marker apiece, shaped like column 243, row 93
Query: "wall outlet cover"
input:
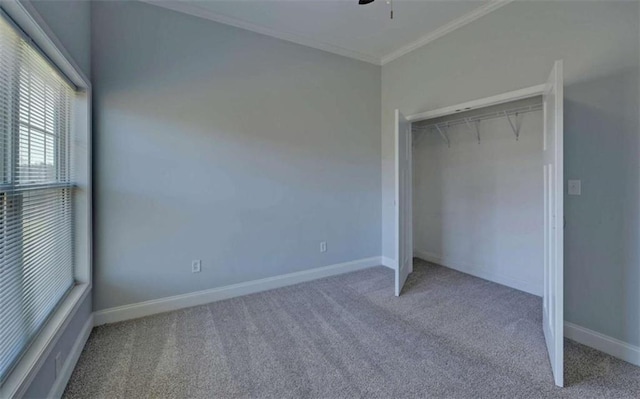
column 574, row 187
column 196, row 266
column 58, row 364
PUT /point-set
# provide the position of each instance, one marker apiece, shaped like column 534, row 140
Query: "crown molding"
column 197, row 11
column 445, row 29
column 201, row 12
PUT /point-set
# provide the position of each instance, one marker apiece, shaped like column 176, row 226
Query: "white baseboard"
column 388, row 262
column 72, row 358
column 593, row 339
column 480, row 272
column 161, row 305
column 603, row 343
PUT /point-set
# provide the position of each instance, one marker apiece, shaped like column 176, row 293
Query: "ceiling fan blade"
column 363, row 2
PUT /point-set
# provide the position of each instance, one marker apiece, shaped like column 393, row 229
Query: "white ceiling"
column 342, row 26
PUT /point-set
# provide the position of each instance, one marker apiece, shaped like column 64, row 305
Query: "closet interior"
column 478, row 201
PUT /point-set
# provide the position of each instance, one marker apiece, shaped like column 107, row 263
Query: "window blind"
column 36, row 231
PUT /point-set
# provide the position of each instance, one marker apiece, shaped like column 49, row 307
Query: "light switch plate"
column 574, row 187
column 196, row 266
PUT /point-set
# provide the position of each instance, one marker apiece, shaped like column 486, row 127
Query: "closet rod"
column 477, row 118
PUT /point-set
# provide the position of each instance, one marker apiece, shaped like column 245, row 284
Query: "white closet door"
column 404, row 211
column 553, row 300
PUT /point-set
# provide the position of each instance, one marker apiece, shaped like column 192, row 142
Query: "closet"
column 479, row 188
column 478, row 193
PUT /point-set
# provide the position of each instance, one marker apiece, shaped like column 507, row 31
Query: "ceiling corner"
column 197, row 11
column 457, row 23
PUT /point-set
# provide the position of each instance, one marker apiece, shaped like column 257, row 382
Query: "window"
column 36, row 214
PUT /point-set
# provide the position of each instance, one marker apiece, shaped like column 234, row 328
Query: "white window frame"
column 28, row 19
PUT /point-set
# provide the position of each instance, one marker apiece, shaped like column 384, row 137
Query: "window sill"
column 22, row 375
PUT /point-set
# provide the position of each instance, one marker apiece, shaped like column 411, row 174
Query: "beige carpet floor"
column 449, row 335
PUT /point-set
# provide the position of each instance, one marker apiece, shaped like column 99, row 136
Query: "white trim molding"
column 32, row 23
column 161, row 305
column 609, row 345
column 25, row 16
column 593, row 339
column 390, row 263
column 57, row 389
column 479, row 271
column 457, row 23
column 202, row 12
column 502, row 98
column 25, row 371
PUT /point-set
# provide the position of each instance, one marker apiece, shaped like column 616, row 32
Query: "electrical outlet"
column 323, row 246
column 574, row 187
column 58, row 363
column 196, row 266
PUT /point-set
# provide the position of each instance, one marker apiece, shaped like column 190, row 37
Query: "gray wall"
column 515, row 47
column 219, row 144
column 70, row 22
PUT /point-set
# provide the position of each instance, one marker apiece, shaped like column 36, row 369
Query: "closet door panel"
column 403, row 202
column 553, row 301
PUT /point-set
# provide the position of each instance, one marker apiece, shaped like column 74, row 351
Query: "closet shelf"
column 473, row 122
